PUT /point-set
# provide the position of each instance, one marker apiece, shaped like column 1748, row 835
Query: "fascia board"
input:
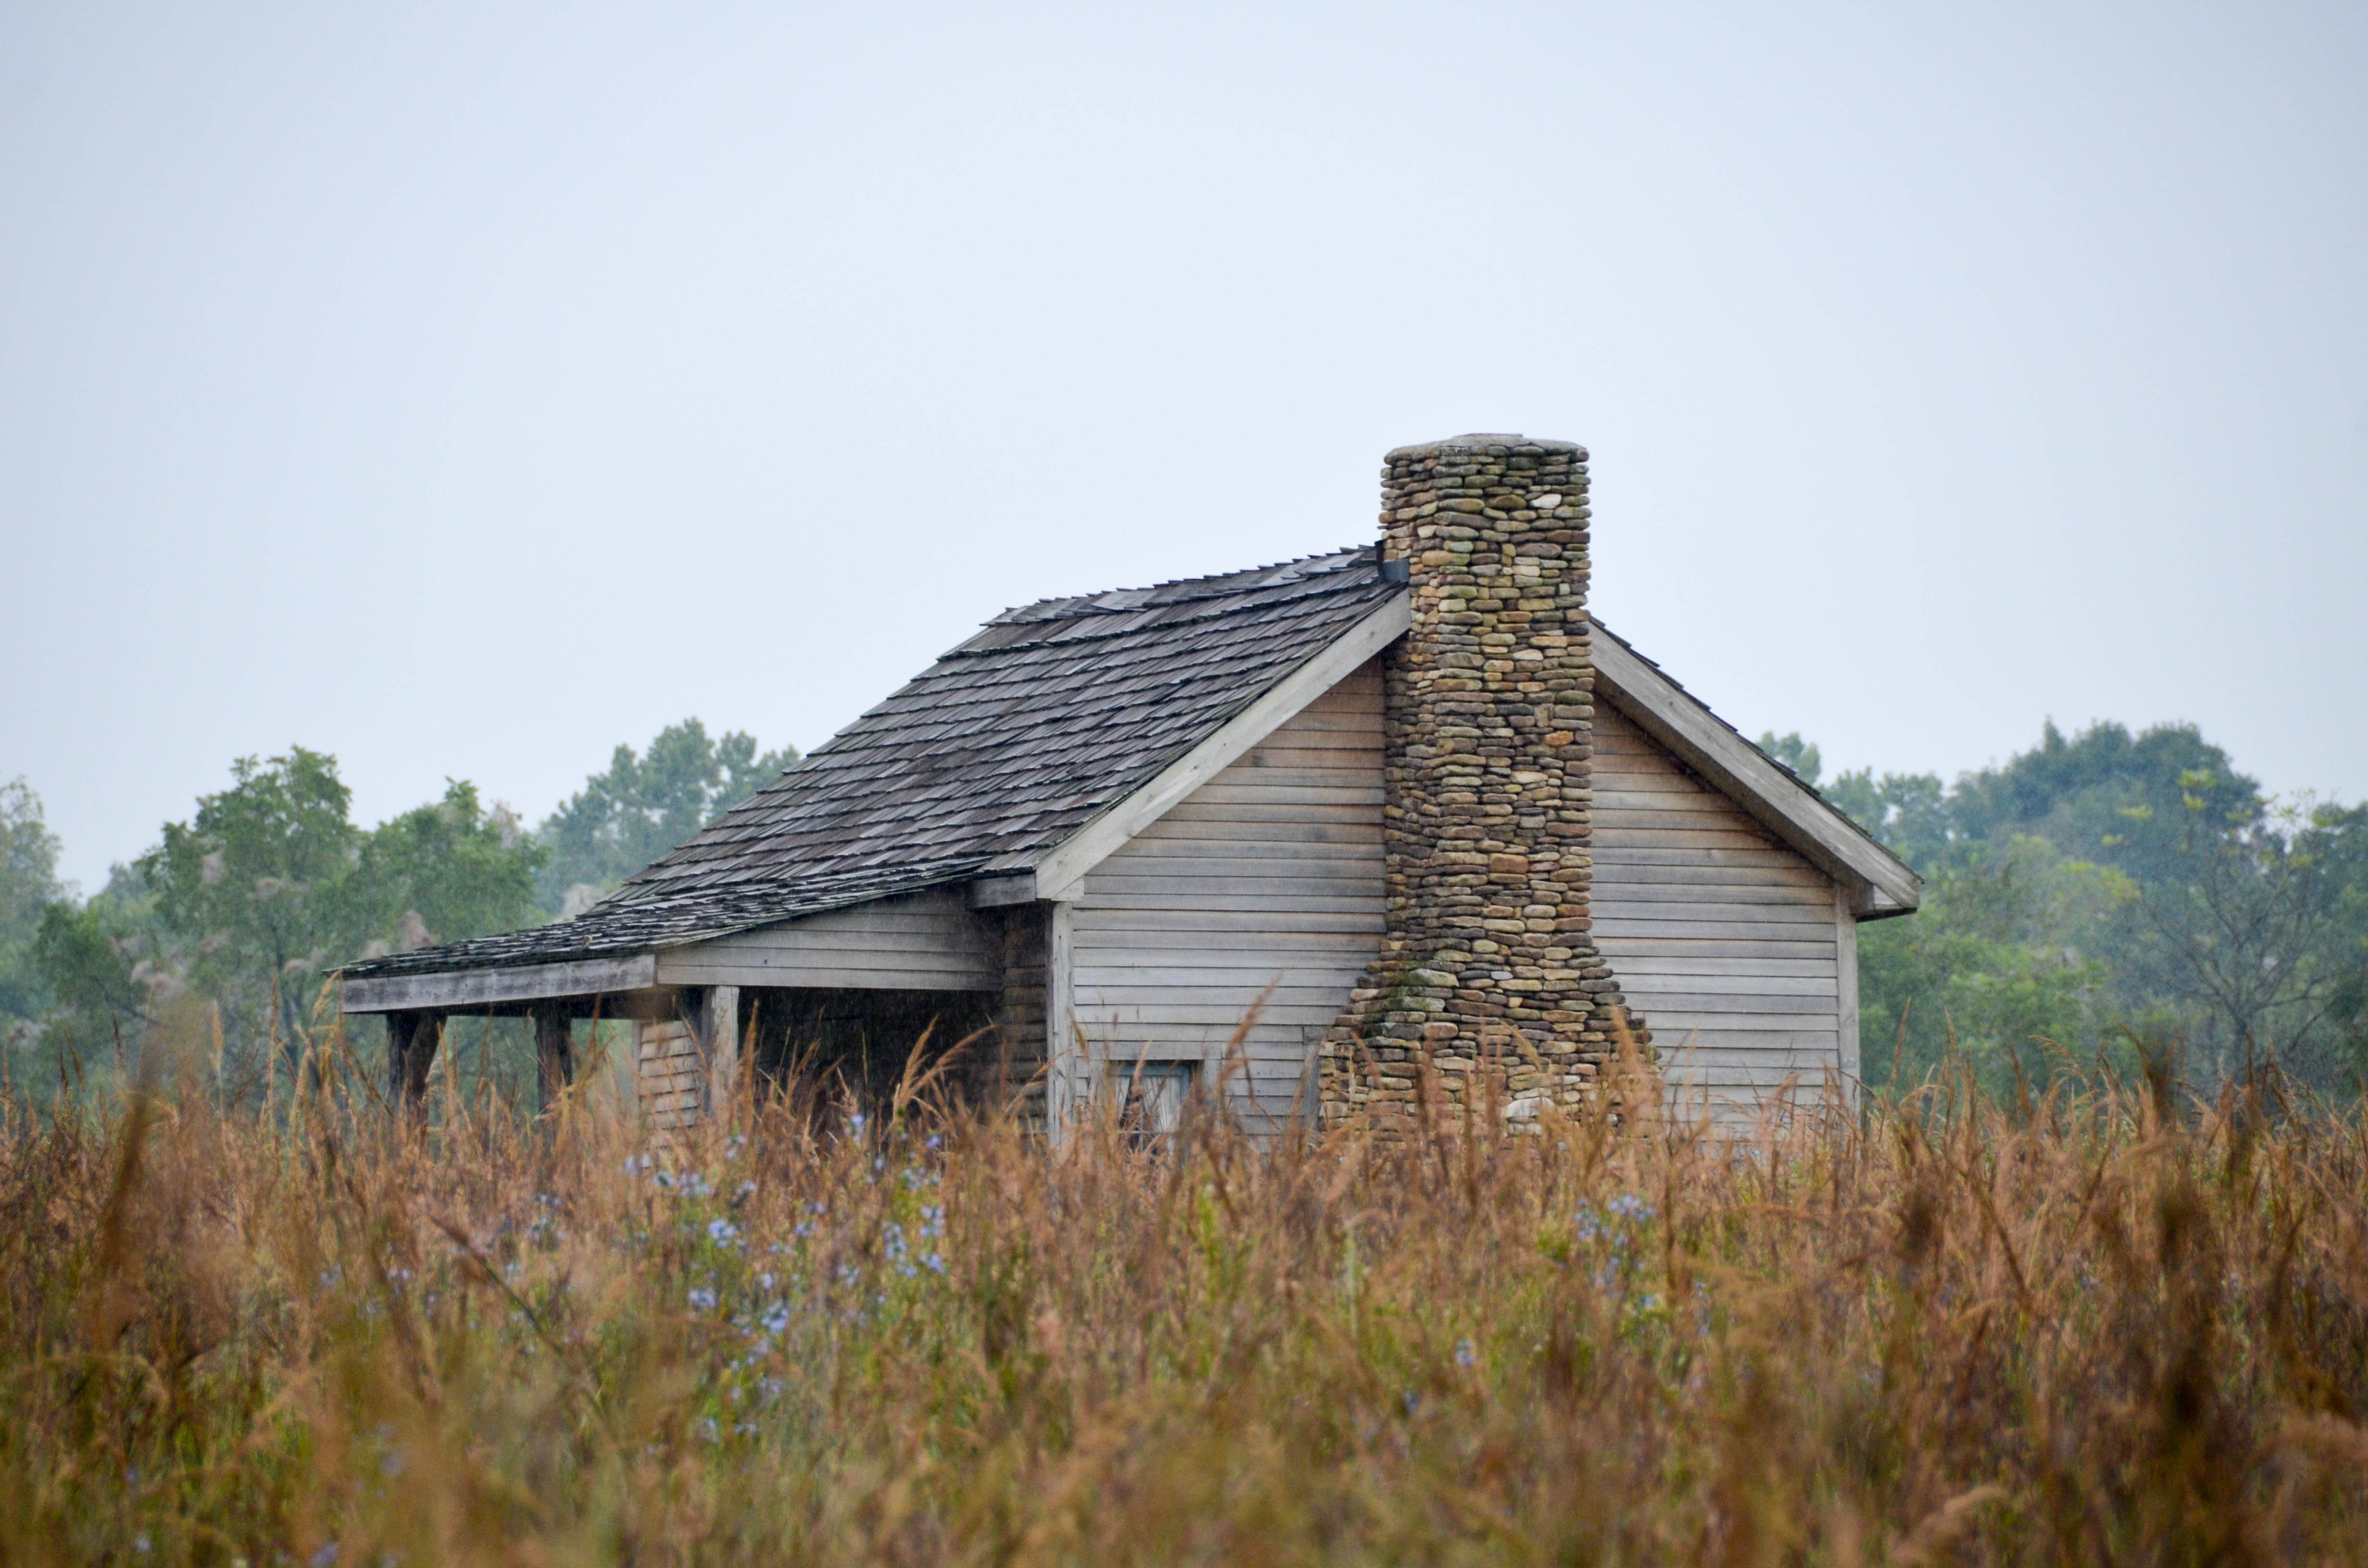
column 1743, row 773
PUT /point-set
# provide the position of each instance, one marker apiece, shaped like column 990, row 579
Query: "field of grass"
column 2107, row 1325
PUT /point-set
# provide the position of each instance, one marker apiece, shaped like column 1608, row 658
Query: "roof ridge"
column 1175, row 590
column 1100, row 624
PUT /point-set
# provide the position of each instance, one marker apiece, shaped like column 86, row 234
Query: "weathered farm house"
column 1405, row 802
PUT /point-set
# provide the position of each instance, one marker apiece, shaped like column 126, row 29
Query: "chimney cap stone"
column 1482, row 440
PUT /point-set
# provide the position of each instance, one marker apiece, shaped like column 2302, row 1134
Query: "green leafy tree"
column 2255, row 932
column 97, row 964
column 252, row 883
column 644, row 805
column 440, row 873
column 271, row 884
column 2115, row 878
column 29, row 882
column 2126, row 801
column 1996, row 964
column 266, row 887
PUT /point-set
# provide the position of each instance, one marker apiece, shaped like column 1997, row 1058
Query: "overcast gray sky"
column 463, row 389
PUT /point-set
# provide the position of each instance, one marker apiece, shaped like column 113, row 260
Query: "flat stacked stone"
column 1488, row 961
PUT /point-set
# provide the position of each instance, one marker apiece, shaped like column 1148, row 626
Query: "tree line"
column 245, row 907
column 2112, row 893
column 2100, row 893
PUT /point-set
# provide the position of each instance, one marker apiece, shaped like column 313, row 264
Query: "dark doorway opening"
column 847, row 1049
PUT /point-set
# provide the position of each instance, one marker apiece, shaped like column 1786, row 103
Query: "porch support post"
column 411, row 1041
column 554, row 1053
column 1068, row 1084
column 719, row 1029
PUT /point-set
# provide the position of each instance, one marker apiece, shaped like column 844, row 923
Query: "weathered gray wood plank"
column 1147, row 921
column 1802, row 880
column 1737, row 894
column 819, row 977
column 1170, row 1038
column 1621, row 948
column 1766, row 1008
column 1753, row 1058
column 1204, row 1004
column 1736, row 838
column 1678, row 1041
column 1173, row 1019
column 1362, row 831
column 931, row 941
column 1153, row 967
column 1289, row 880
column 1652, row 852
column 1185, row 856
column 1228, row 863
column 1846, row 961
column 1666, row 986
column 1683, row 815
column 1626, row 928
column 1655, row 966
column 480, row 988
column 1240, row 903
column 1745, row 911
column 1202, row 966
column 1287, row 811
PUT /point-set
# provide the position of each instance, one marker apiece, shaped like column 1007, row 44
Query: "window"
column 1150, row 1097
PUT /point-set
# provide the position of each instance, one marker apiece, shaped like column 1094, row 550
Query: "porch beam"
column 467, row 988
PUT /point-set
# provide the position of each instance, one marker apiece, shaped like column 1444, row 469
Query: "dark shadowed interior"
column 841, row 1045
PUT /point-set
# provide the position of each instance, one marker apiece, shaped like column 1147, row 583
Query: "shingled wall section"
column 1489, row 704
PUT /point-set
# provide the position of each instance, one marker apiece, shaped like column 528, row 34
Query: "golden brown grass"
column 2109, row 1327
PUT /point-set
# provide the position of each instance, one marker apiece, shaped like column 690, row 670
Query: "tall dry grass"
column 2109, row 1327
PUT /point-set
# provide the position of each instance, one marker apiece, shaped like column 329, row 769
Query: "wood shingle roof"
column 1010, row 743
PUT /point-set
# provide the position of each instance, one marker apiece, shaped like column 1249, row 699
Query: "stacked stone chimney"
column 1488, row 965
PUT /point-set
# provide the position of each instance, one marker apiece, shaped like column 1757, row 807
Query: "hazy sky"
column 465, row 390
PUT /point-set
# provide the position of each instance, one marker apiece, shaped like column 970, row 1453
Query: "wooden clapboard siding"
column 1726, row 941
column 1261, row 889
column 926, row 941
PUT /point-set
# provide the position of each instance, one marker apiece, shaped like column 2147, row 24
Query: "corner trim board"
column 1067, row 1086
column 1846, row 990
